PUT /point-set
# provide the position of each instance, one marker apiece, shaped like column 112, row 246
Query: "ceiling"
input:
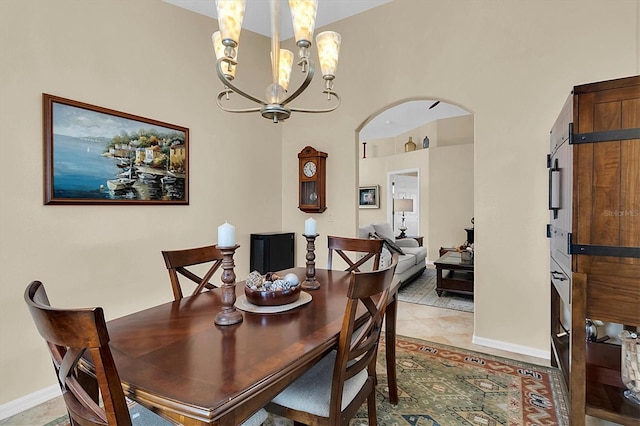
column 407, row 116
column 390, row 123
column 256, row 17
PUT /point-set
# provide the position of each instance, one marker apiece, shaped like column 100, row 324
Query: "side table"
column 453, row 274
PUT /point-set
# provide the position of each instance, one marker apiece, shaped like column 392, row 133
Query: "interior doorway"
column 404, row 185
column 435, row 140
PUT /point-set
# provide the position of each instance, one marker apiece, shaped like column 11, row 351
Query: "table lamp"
column 402, row 205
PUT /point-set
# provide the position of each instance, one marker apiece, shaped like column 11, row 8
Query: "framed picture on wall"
column 95, row 155
column 369, row 197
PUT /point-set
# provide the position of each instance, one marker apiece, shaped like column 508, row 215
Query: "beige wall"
column 447, row 131
column 512, row 65
column 454, row 131
column 446, row 179
column 146, row 58
column 507, row 62
column 446, row 191
column 375, row 171
column 450, row 196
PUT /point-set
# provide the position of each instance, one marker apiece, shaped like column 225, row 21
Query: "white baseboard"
column 26, row 402
column 519, row 349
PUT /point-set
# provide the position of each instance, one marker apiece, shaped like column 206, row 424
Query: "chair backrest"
column 357, row 350
column 371, row 248
column 178, row 260
column 70, row 333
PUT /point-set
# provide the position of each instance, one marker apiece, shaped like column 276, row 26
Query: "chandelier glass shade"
column 277, row 97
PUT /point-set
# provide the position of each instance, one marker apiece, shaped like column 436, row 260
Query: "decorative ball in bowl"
column 271, row 289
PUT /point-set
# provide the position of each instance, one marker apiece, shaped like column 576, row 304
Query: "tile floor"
column 446, row 326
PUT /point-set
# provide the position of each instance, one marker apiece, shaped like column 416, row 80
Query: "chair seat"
column 257, row 419
column 142, row 416
column 311, row 392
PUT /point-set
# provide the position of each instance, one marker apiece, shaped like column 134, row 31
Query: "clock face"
column 309, row 168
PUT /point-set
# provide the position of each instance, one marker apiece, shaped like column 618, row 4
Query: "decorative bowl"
column 272, row 297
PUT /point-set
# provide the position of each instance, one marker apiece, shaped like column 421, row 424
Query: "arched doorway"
column 434, row 140
column 444, row 169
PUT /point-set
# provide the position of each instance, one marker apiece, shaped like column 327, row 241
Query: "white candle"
column 226, row 235
column 310, row 226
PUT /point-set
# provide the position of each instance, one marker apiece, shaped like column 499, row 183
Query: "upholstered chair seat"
column 311, row 393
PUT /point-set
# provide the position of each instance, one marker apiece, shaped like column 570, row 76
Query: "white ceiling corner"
column 256, row 17
column 407, row 116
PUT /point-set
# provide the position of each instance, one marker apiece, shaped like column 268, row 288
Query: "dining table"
column 173, row 358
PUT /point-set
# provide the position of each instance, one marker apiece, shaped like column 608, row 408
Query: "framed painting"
column 95, row 155
column 369, row 197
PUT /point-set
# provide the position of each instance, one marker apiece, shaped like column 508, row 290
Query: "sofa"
column 412, row 260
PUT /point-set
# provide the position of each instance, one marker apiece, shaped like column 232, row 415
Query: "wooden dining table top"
column 175, row 360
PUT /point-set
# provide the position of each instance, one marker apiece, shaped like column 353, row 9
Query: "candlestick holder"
column 310, row 283
column 228, row 315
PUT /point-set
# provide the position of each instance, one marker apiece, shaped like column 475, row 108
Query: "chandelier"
column 275, row 107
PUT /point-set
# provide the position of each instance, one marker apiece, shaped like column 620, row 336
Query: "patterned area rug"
column 440, row 385
column 422, row 291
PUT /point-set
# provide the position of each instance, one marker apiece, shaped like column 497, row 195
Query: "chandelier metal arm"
column 277, row 95
column 329, row 93
column 224, row 93
column 304, row 84
column 230, row 85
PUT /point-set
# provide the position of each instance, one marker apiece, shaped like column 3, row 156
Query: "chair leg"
column 371, row 408
column 390, row 349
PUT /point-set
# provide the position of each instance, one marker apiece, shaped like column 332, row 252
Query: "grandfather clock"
column 312, row 179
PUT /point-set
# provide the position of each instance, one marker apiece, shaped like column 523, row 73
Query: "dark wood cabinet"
column 272, row 251
column 594, row 199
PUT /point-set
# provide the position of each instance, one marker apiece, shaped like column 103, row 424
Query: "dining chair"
column 367, row 249
column 177, row 262
column 92, row 396
column 344, row 247
column 332, row 391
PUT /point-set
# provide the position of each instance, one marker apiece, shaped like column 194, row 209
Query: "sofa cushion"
column 405, row 262
column 384, row 230
column 420, row 253
column 410, row 264
column 407, row 242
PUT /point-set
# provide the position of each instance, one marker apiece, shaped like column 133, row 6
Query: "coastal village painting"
column 95, row 155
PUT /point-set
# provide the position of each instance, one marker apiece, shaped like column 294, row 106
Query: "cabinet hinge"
column 613, row 251
column 599, row 250
column 570, row 133
column 606, row 136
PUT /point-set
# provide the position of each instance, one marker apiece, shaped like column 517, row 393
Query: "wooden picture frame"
column 369, row 197
column 96, row 155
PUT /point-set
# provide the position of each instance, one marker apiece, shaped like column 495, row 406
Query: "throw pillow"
column 389, row 244
column 384, row 230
